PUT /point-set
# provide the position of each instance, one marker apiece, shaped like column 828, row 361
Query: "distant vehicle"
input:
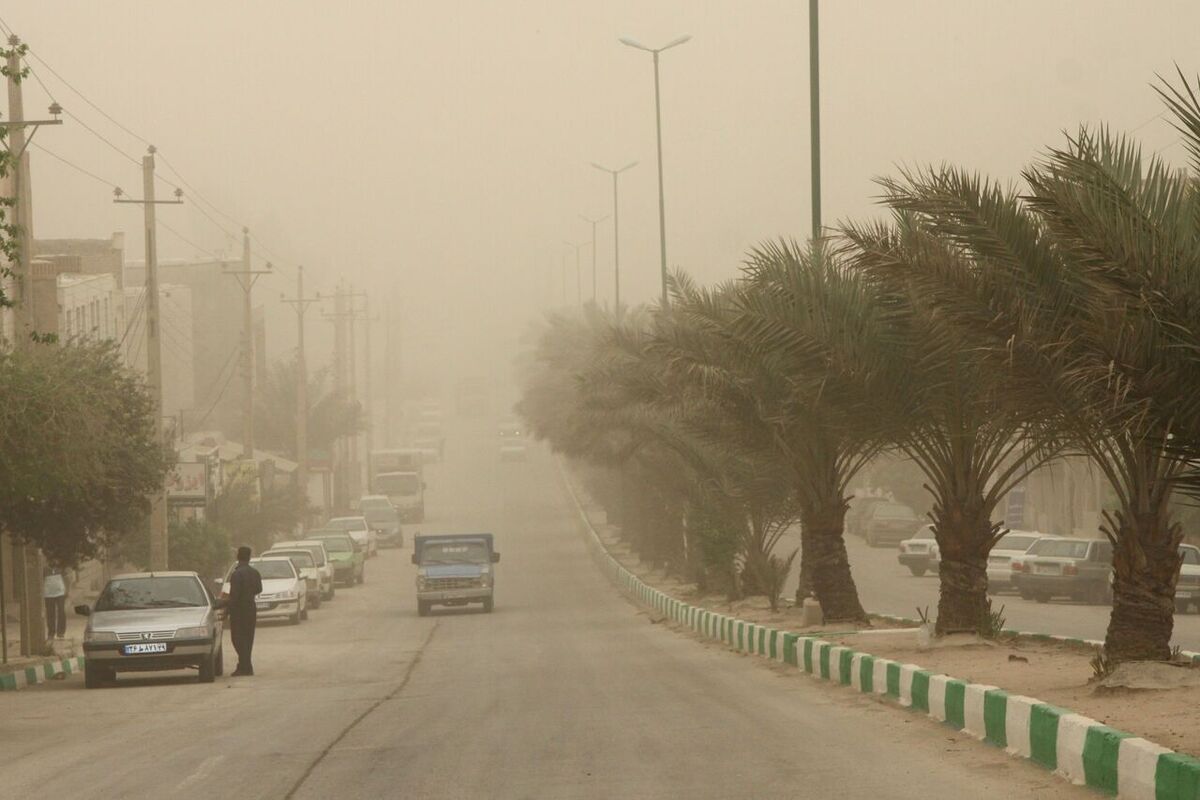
column 890, row 522
column 284, row 593
column 406, row 491
column 860, row 509
column 920, row 553
column 347, row 558
column 1187, row 588
column 320, row 557
column 147, row 621
column 383, row 518
column 999, row 564
column 304, row 562
column 510, row 429
column 359, row 530
column 1057, row 566
column 454, row 570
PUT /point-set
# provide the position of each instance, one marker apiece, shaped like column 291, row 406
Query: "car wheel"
column 917, row 571
column 208, row 667
column 1101, row 595
column 1024, row 594
column 304, row 613
column 330, row 595
column 219, row 666
column 1181, row 606
column 95, row 677
column 316, row 600
column 488, row 605
column 1042, row 597
column 870, row 538
column 294, row 619
column 423, row 607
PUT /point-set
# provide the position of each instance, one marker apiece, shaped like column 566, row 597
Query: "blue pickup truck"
column 454, row 570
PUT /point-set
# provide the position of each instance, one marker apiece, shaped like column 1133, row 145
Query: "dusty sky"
column 438, row 151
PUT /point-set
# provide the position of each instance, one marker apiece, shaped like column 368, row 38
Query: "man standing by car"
column 245, row 584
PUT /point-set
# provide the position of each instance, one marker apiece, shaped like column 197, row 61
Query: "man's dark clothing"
column 245, row 584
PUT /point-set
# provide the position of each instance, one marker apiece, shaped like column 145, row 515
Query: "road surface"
column 566, row 691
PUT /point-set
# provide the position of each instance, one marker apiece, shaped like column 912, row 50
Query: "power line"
column 74, row 166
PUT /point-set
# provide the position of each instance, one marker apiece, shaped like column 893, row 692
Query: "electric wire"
column 74, row 166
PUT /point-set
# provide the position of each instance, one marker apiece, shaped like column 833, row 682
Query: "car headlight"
column 485, row 580
column 90, row 635
column 420, row 582
column 287, row 595
column 200, row 632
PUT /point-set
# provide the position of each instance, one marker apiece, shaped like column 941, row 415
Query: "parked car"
column 146, row 621
column 1057, row 566
column 359, row 530
column 860, row 509
column 383, row 518
column 890, row 523
column 304, row 562
column 320, row 558
column 1187, row 588
column 347, row 559
column 284, row 591
column 405, row 491
column 920, row 553
column 999, row 566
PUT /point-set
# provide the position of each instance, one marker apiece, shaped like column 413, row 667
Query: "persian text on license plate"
column 147, row 647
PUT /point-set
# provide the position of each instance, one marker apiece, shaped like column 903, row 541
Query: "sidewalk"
column 23, row 670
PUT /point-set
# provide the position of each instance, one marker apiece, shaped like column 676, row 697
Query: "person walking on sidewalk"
column 54, row 593
column 245, row 584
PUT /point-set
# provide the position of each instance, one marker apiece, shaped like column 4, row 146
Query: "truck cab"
column 406, row 491
column 454, row 570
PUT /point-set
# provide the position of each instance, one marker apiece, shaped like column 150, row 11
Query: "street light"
column 662, row 213
column 593, row 223
column 616, row 235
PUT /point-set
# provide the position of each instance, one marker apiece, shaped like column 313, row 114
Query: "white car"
column 920, row 553
column 304, row 562
column 359, row 530
column 999, row 564
column 320, row 558
column 1187, row 588
column 284, row 590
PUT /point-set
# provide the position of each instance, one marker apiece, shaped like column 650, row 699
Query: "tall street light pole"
column 593, row 223
column 814, row 100
column 578, row 276
column 616, row 232
column 662, row 213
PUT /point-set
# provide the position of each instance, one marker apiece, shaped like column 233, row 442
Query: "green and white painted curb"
column 1079, row 749
column 39, row 673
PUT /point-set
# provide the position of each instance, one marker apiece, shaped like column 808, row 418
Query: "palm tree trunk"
column 1145, row 569
column 824, row 557
column 964, row 534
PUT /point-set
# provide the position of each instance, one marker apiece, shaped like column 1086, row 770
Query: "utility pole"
column 616, row 234
column 301, row 303
column 593, row 223
column 338, row 318
column 158, row 501
column 27, row 558
column 578, row 274
column 814, row 101
column 246, row 278
column 368, row 401
column 348, row 479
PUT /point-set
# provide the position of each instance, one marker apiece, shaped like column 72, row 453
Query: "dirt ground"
column 1054, row 673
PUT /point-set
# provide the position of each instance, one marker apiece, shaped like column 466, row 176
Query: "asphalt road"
column 566, row 691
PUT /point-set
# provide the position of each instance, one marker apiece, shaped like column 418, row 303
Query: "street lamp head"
column 178, row 193
column 676, row 43
column 635, row 44
column 118, row 191
column 597, row 166
column 55, row 109
column 630, row 165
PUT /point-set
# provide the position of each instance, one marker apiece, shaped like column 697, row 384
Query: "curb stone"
column 39, row 673
column 1074, row 747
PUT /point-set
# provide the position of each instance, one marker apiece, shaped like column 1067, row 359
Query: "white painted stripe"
column 856, row 671
column 937, row 696
column 973, row 709
column 835, row 663
column 1137, row 765
column 879, row 679
column 1072, row 732
column 906, row 679
column 1018, row 711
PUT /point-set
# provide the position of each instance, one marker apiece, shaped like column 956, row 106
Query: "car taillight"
column 1017, row 566
column 1070, row 569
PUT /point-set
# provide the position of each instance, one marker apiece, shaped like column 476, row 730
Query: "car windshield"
column 455, row 553
column 175, row 591
column 348, row 523
column 403, row 483
column 1190, row 555
column 301, row 558
column 274, row 568
column 1060, row 548
column 1015, row 541
column 338, row 544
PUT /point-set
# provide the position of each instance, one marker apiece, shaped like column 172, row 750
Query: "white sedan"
column 284, row 591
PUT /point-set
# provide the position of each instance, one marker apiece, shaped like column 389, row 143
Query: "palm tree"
column 330, row 416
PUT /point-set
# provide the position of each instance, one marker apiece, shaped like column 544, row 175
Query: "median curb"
column 39, row 673
column 1074, row 747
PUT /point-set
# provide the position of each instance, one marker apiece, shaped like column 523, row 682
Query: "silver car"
column 149, row 621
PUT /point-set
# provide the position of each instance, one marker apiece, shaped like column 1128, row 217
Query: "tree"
column 197, row 545
column 80, row 455
column 256, row 522
column 330, row 416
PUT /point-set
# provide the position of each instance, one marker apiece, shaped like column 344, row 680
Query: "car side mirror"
column 219, row 584
column 83, row 611
column 415, row 559
column 495, row 558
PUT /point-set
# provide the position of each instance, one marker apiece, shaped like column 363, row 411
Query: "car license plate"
column 1185, row 595
column 1045, row 569
column 148, row 647
column 263, row 606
